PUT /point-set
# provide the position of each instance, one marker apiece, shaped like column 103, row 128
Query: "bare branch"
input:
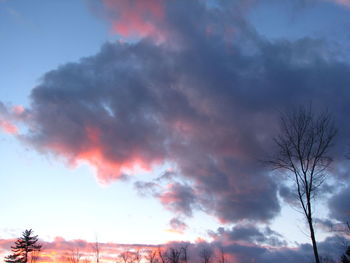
column 302, row 151
column 206, row 255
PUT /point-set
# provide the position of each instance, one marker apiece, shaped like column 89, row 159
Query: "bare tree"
column 131, row 256
column 96, row 248
column 342, row 228
column 34, row 257
column 206, row 255
column 222, row 257
column 161, row 255
column 327, row 259
column 137, row 256
column 125, row 256
column 303, row 151
column 345, row 258
column 86, row 260
column 74, row 256
column 151, row 256
column 184, row 250
column 173, row 255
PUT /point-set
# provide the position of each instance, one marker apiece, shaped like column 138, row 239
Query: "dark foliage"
column 23, row 247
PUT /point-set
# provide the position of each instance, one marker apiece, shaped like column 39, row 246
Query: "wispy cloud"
column 9, row 116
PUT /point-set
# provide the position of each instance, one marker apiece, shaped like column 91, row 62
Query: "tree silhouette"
column 302, row 151
column 184, row 250
column 74, row 256
column 151, row 256
column 346, row 256
column 23, row 247
column 206, row 255
column 173, row 255
column 96, row 248
column 161, row 255
column 222, row 256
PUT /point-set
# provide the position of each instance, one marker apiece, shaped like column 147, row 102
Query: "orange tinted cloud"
column 59, row 249
column 9, row 116
column 131, row 18
column 235, row 250
column 8, row 127
column 93, row 152
column 18, row 110
column 106, row 169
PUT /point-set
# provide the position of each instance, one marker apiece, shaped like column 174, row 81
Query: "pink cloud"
column 224, row 241
column 136, row 18
column 94, row 153
column 18, row 110
column 9, row 116
column 8, row 127
column 59, row 249
column 178, row 198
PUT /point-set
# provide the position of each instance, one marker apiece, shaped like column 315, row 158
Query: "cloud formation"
column 339, row 205
column 205, row 100
column 7, row 118
column 177, row 225
column 135, row 18
column 249, row 234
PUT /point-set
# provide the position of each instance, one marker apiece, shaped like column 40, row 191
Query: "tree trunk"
column 26, row 255
column 313, row 239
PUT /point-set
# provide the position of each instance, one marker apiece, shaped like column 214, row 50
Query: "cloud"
column 248, row 234
column 135, row 18
column 8, row 127
column 234, row 250
column 339, row 205
column 59, row 249
column 147, row 188
column 257, row 251
column 177, row 225
column 178, row 198
column 5, row 244
column 207, row 105
column 9, row 116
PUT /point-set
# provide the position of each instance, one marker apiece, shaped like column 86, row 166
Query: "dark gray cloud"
column 178, row 198
column 242, row 252
column 249, row 234
column 288, row 195
column 339, row 206
column 237, row 251
column 177, row 225
column 205, row 100
column 146, row 188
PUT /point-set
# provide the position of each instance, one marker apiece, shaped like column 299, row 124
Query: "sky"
column 143, row 123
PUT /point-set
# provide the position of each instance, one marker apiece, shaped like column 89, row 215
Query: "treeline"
column 178, row 253
column 27, row 249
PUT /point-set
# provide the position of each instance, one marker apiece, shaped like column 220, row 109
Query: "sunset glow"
column 186, row 131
